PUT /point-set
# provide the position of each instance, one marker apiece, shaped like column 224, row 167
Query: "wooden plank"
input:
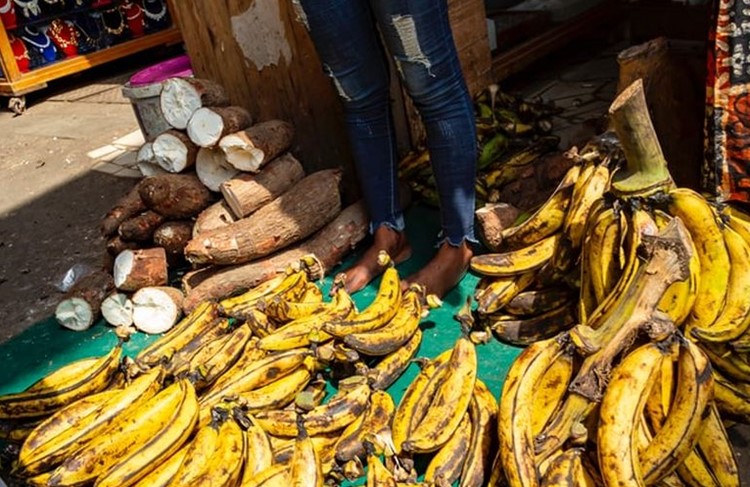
column 39, row 77
column 262, row 54
column 521, row 56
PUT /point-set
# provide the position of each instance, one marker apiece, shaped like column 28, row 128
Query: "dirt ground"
column 52, row 194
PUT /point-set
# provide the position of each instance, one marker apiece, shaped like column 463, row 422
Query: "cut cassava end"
column 209, row 124
column 492, row 219
column 248, row 192
column 329, row 245
column 136, row 269
column 181, row 97
column 146, row 154
column 173, row 237
column 156, row 309
column 140, row 228
column 301, row 211
column 117, row 310
column 212, row 168
column 248, row 150
column 80, row 307
column 129, row 205
column 215, row 216
column 174, row 151
column 175, row 195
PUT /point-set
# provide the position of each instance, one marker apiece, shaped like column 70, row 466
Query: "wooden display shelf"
column 516, row 59
column 18, row 83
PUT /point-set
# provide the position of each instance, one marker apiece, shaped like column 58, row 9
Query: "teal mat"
column 46, row 346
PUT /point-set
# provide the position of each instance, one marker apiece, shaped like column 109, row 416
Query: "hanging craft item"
column 115, row 25
column 65, row 36
column 28, row 10
column 8, row 14
column 40, row 47
column 20, row 53
column 157, row 15
column 101, row 3
column 92, row 36
column 134, row 16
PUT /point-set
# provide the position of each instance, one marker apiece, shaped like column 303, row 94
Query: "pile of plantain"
column 512, row 133
column 240, row 394
column 633, row 299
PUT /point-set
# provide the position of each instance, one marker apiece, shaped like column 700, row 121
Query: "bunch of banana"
column 512, row 133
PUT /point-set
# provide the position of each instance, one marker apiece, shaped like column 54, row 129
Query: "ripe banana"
column 550, row 392
column 517, row 261
column 523, row 331
column 537, row 301
column 305, row 468
column 298, row 333
column 621, row 407
column 41, row 401
column 275, row 476
column 258, row 374
column 567, row 469
column 334, row 415
column 445, row 466
column 483, row 415
column 515, row 415
column 604, row 247
column 701, row 221
column 223, row 465
column 197, row 460
column 379, row 312
column 715, row 447
column 251, row 353
column 390, row 368
column 694, row 472
column 377, row 474
column 501, row 290
column 450, row 402
column 259, row 455
column 282, row 311
column 732, row 398
column 73, row 427
column 679, row 433
column 217, row 357
column 376, row 418
column 181, row 335
column 548, row 219
column 162, row 475
column 388, row 338
column 592, row 190
column 734, row 318
column 291, row 287
column 726, row 361
column 136, row 442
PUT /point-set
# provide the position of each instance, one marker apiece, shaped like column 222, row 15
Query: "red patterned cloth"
column 726, row 168
column 8, row 13
column 65, row 36
column 134, row 16
column 20, row 54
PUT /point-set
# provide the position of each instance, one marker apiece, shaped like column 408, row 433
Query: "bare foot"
column 444, row 271
column 367, row 268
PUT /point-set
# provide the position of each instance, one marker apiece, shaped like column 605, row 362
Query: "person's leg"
column 418, row 35
column 347, row 41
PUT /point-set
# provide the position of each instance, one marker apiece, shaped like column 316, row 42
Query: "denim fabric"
column 347, row 35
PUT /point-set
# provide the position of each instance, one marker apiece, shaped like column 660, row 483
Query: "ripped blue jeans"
column 347, row 35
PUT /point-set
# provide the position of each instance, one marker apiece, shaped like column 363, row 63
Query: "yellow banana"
column 291, row 287
column 728, row 362
column 181, row 335
column 298, row 333
column 390, row 368
column 701, row 221
column 205, row 369
column 259, row 455
column 282, row 310
column 592, row 190
column 18, row 431
column 72, row 428
column 305, row 468
column 567, row 470
column 275, row 476
column 538, row 301
column 694, row 472
column 587, row 296
column 445, row 466
column 226, row 462
column 732, row 398
column 548, row 219
column 517, row 261
column 258, row 374
column 377, row 474
column 41, row 401
column 391, row 336
column 201, row 348
column 379, row 312
column 515, row 415
column 734, row 318
column 136, row 442
column 334, row 415
column 162, row 475
column 523, row 331
column 679, row 433
column 450, row 402
column 376, row 418
column 550, row 392
column 621, row 407
column 197, row 460
column 605, row 247
column 501, row 290
column 483, row 415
